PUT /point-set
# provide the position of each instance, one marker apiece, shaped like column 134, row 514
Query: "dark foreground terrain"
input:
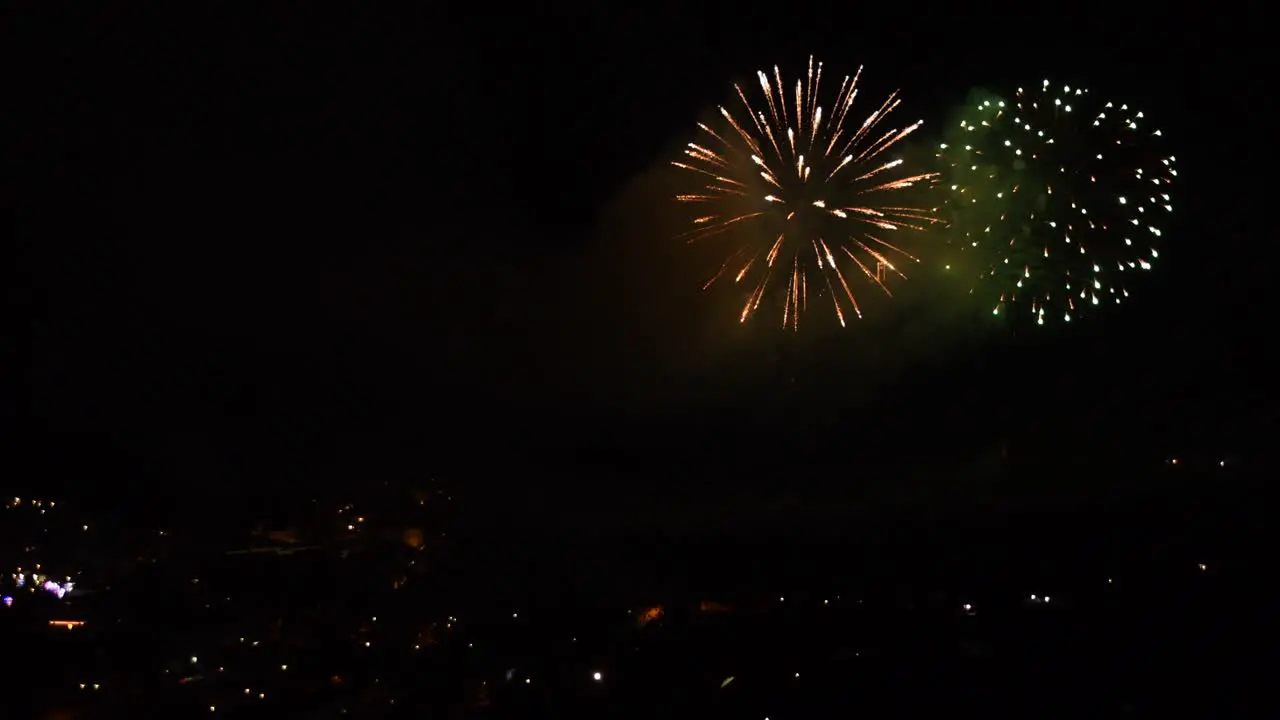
column 773, row 609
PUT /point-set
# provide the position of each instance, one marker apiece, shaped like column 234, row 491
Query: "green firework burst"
column 1055, row 200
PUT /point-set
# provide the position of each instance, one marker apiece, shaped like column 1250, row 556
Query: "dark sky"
column 275, row 241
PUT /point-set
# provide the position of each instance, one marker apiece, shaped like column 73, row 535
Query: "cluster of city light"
column 38, row 581
column 35, row 578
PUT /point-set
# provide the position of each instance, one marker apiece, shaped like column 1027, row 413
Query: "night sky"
column 295, row 246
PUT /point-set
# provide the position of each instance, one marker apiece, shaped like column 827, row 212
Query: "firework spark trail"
column 703, row 233
column 760, row 170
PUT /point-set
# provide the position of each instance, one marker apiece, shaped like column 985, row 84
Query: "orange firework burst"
column 804, row 193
